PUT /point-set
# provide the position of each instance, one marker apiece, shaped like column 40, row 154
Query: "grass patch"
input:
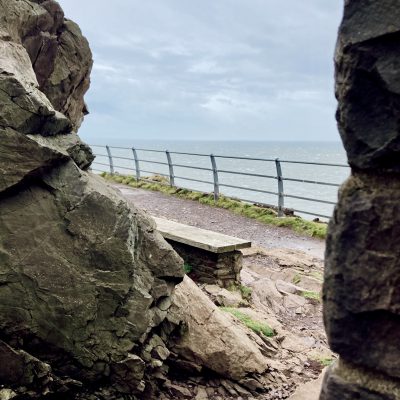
column 262, row 214
column 317, row 275
column 245, row 291
column 187, row 268
column 309, row 294
column 296, row 279
column 255, row 326
column 325, row 361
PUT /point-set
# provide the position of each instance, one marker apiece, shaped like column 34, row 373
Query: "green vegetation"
column 262, row 214
column 257, row 327
column 317, row 275
column 245, row 291
column 311, row 295
column 325, row 361
column 187, row 268
column 296, row 279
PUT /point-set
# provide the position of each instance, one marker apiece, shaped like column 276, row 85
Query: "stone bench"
column 215, row 258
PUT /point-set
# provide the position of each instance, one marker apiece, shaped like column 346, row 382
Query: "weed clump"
column 309, row 294
column 258, row 327
column 187, row 268
column 296, row 279
column 245, row 291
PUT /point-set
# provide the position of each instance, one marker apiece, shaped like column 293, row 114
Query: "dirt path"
column 224, row 221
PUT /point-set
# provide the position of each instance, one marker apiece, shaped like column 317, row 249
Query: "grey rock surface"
column 85, row 279
column 368, row 83
column 86, row 282
column 362, row 292
column 345, row 381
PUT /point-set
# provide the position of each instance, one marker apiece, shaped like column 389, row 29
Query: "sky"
column 209, row 69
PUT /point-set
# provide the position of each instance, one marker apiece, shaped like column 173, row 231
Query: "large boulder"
column 362, row 280
column 362, row 269
column 211, row 338
column 368, row 85
column 85, row 279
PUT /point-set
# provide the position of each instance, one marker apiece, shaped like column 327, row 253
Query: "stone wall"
column 222, row 269
column 362, row 271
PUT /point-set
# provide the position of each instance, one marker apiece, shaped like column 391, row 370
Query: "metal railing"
column 215, row 172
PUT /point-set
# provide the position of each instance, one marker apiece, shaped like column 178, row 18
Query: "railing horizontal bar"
column 152, row 162
column 191, row 167
column 101, row 155
column 99, row 163
column 190, row 154
column 194, row 180
column 246, row 158
column 309, row 199
column 314, row 182
column 97, row 145
column 153, row 172
column 150, row 150
column 310, row 213
column 97, row 170
column 249, row 189
column 313, row 163
column 247, row 174
column 119, row 147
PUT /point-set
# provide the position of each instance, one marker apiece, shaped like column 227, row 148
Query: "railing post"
column 171, row 169
column 135, row 156
column 280, row 188
column 215, row 174
column 110, row 160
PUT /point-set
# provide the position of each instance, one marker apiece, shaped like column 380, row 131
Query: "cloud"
column 206, row 67
column 179, row 68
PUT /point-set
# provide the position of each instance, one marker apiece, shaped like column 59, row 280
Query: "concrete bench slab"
column 199, row 238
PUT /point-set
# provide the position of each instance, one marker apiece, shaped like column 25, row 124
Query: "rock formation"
column 84, row 278
column 87, row 303
column 362, row 276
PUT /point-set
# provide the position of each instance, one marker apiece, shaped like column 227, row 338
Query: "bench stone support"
column 222, row 269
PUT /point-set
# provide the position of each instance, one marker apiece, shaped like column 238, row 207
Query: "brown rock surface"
column 212, row 338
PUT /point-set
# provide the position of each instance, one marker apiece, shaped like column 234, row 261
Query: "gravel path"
column 219, row 220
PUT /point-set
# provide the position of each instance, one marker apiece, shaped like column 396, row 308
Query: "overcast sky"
column 209, row 69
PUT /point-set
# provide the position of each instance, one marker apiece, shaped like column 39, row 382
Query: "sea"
column 297, row 162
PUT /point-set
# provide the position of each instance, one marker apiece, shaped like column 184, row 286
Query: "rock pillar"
column 362, row 277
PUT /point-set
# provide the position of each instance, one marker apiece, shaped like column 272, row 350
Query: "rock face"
column 210, row 338
column 362, row 275
column 41, row 44
column 84, row 278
